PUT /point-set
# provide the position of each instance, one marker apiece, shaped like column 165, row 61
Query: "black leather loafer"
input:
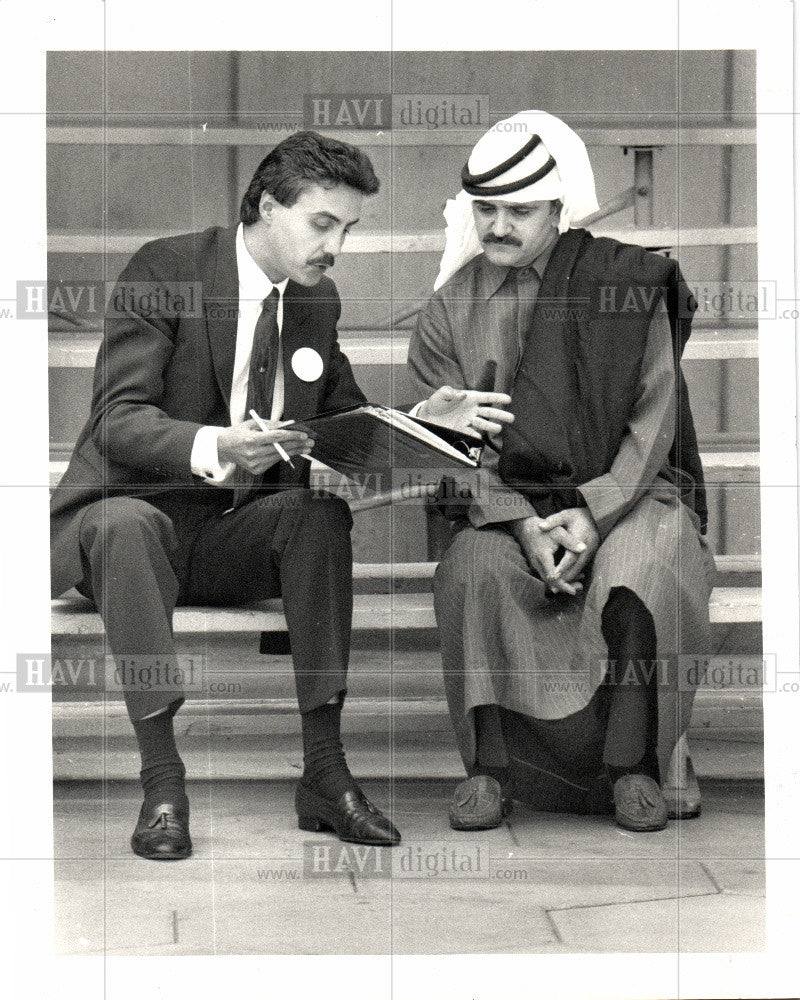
column 162, row 832
column 479, row 804
column 639, row 804
column 352, row 818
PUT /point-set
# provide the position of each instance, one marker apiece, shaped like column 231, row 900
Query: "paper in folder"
column 388, row 455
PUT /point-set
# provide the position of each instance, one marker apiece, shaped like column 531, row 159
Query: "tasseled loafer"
column 639, row 804
column 479, row 804
column 162, row 832
column 352, row 817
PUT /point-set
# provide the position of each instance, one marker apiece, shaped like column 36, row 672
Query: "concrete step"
column 409, row 241
column 726, row 467
column 370, row 612
column 78, row 349
column 223, row 134
column 729, row 712
column 405, row 664
column 232, row 669
column 401, row 738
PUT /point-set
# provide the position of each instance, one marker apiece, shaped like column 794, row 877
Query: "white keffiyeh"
column 571, row 180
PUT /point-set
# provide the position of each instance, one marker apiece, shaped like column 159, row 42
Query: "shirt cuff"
column 205, row 457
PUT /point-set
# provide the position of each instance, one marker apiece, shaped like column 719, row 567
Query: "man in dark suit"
column 174, row 495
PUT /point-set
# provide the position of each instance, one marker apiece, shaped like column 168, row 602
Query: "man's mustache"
column 503, row 241
column 324, row 258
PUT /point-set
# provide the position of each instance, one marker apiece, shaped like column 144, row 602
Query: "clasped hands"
column 540, row 538
column 574, row 530
column 253, row 449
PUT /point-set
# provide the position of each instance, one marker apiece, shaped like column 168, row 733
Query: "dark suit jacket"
column 160, row 377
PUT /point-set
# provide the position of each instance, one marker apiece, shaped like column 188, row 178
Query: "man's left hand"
column 580, row 525
column 467, row 410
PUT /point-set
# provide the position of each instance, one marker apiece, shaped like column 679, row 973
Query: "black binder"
column 388, row 454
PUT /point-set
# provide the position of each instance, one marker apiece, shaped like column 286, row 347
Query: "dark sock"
column 162, row 774
column 500, row 774
column 647, row 766
column 324, row 765
column 490, row 745
column 628, row 726
column 629, row 632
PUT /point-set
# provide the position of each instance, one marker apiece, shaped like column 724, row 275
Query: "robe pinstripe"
column 504, row 642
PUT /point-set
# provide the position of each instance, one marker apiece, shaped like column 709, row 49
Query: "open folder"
column 388, row 455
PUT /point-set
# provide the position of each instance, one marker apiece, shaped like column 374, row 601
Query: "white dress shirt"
column 254, row 287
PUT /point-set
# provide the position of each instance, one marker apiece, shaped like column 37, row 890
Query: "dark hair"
column 302, row 159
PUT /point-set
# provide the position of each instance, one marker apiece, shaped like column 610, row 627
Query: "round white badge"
column 307, row 364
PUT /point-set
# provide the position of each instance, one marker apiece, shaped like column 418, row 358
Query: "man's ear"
column 266, row 206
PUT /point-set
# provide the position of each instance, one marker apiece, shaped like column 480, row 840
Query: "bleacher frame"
column 76, row 345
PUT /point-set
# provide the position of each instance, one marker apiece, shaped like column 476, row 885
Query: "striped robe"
column 504, row 640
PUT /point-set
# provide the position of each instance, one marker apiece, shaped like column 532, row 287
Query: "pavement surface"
column 541, row 883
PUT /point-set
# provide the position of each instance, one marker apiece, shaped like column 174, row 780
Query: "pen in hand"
column 278, row 447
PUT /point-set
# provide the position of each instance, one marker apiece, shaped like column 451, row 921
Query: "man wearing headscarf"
column 578, row 578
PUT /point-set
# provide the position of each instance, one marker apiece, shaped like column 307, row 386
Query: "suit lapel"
column 221, row 306
column 300, row 398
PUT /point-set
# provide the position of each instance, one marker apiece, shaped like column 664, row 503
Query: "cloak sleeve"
column 645, row 447
column 432, row 363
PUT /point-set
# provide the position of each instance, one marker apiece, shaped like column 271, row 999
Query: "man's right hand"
column 467, row 410
column 540, row 546
column 252, row 449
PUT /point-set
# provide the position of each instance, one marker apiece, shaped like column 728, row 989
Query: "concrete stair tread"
column 407, row 737
column 720, row 467
column 412, row 240
column 222, row 133
column 421, row 755
column 732, row 712
column 78, row 349
column 371, row 611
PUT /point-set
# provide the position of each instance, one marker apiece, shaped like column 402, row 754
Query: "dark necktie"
column 260, row 383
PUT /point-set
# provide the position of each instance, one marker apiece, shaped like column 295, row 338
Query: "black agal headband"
column 472, row 182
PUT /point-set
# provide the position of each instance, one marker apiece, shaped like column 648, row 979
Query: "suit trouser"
column 141, row 558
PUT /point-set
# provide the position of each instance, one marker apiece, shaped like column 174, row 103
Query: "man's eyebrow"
column 335, row 218
column 508, row 204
